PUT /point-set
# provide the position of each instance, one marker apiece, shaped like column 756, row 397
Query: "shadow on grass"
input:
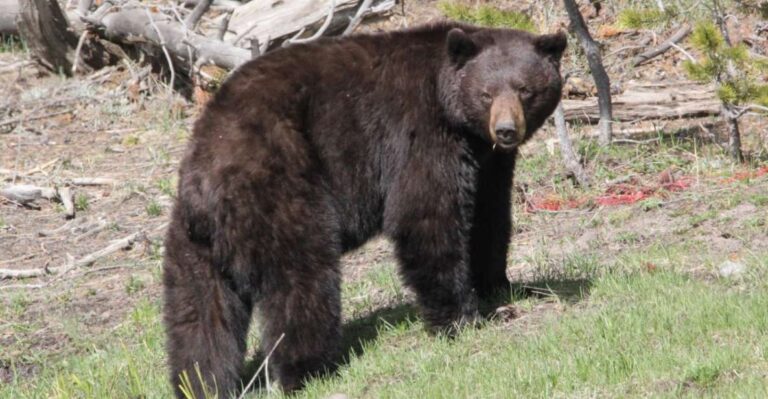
column 570, row 290
column 359, row 333
column 356, row 335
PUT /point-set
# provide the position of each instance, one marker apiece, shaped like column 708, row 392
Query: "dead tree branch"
column 364, row 7
column 323, row 28
column 194, row 17
column 570, row 158
column 676, row 37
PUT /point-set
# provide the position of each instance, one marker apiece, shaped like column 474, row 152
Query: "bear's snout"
column 507, row 124
column 507, row 134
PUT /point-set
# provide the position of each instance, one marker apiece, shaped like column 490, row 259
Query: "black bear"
column 310, row 150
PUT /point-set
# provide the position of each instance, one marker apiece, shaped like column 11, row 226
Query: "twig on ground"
column 65, row 226
column 67, row 201
column 18, row 259
column 263, row 364
column 33, row 118
column 87, row 260
column 93, row 181
column 100, row 226
column 22, row 286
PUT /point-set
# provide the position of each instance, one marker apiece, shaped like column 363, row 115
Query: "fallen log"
column 9, row 10
column 137, row 25
column 265, row 21
column 670, row 100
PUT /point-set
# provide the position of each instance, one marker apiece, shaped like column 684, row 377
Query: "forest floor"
column 653, row 282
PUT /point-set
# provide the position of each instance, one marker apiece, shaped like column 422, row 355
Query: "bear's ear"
column 552, row 45
column 461, row 47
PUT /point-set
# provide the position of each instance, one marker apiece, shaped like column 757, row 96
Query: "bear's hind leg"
column 305, row 309
column 206, row 321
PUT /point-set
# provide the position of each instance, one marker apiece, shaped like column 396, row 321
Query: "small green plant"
column 650, row 204
column 19, row 304
column 134, row 285
column 739, row 77
column 167, row 187
column 159, row 156
column 131, row 140
column 628, row 237
column 81, row 202
column 644, row 18
column 486, row 15
column 759, row 199
column 156, row 250
column 12, row 44
column 697, row 220
column 154, row 209
column 704, row 376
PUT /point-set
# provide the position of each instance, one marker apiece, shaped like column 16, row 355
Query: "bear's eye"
column 487, row 98
column 524, row 92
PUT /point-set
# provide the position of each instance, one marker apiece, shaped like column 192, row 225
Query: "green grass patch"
column 12, row 44
column 645, row 18
column 486, row 15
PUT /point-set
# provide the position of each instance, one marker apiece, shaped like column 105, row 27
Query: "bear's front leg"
column 492, row 228
column 433, row 263
column 429, row 221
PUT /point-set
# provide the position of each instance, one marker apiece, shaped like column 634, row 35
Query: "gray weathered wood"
column 570, row 159
column 9, row 11
column 131, row 25
column 669, row 100
column 44, row 27
column 272, row 19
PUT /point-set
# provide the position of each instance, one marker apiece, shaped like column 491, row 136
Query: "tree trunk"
column 602, row 82
column 44, row 27
column 566, row 148
column 734, row 135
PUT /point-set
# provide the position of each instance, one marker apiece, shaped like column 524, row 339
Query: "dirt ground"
column 133, row 131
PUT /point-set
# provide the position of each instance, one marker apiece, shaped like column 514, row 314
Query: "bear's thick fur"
column 309, row 151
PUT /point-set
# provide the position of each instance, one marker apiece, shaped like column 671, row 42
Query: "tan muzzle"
column 507, row 124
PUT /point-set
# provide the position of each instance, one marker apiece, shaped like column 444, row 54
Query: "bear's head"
column 501, row 84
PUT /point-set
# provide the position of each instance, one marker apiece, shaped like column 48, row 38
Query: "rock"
column 730, row 269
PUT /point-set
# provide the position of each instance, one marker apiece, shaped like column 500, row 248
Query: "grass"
column 486, row 15
column 81, row 202
column 154, row 209
column 12, row 44
column 640, row 334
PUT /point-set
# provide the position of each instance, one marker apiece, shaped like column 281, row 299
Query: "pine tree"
column 739, row 77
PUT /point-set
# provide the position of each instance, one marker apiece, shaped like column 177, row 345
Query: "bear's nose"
column 506, row 132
